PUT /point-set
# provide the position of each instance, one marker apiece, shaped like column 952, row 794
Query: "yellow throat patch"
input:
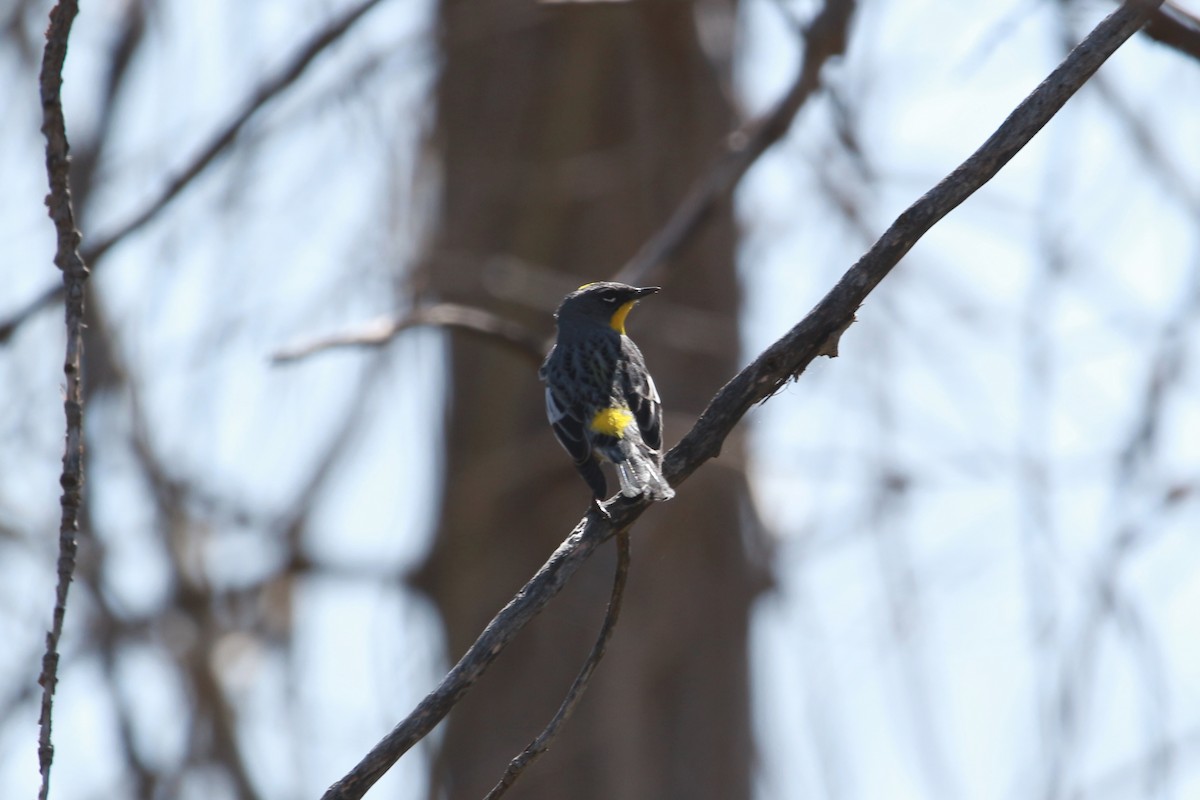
column 612, row 421
column 617, row 322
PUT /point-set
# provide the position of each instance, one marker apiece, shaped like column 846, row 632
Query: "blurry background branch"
column 825, row 38
column 1175, row 27
column 217, row 145
column 446, row 315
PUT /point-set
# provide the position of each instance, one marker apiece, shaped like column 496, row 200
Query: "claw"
column 599, row 504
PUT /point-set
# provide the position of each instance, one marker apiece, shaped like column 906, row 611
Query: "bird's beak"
column 649, row 290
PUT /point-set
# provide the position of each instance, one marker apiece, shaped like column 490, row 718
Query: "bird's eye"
column 609, row 298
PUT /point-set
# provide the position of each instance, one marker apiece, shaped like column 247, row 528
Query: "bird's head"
column 605, row 302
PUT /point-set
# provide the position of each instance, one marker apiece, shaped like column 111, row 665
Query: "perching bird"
column 600, row 399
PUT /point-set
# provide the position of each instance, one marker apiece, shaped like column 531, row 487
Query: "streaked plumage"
column 600, row 399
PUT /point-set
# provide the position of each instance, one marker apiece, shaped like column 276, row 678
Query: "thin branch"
column 446, row 315
column 74, row 276
column 825, row 37
column 817, row 334
column 589, row 534
column 575, row 693
column 219, row 143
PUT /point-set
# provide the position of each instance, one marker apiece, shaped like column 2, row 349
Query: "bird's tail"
column 639, row 473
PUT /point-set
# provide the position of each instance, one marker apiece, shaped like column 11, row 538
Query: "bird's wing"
column 642, row 396
column 568, row 427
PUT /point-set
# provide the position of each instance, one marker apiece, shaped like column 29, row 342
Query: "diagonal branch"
column 815, row 335
column 818, row 332
column 591, row 531
column 74, row 276
column 219, row 143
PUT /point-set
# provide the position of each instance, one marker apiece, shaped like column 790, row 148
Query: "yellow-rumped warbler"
column 600, row 399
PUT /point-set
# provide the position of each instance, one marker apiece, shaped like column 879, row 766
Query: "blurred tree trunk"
column 565, row 136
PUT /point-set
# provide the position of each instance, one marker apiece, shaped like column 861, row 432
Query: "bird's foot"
column 599, row 504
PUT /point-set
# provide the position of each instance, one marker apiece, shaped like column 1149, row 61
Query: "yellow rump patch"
column 612, row 421
column 618, row 318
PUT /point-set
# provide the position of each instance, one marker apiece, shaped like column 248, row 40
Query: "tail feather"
column 640, row 474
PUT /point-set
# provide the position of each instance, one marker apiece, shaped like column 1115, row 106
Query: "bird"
column 600, row 399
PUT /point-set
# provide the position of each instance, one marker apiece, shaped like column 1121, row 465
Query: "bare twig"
column 575, row 693
column 74, row 275
column 781, row 362
column 448, row 315
column 219, row 143
column 825, row 37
